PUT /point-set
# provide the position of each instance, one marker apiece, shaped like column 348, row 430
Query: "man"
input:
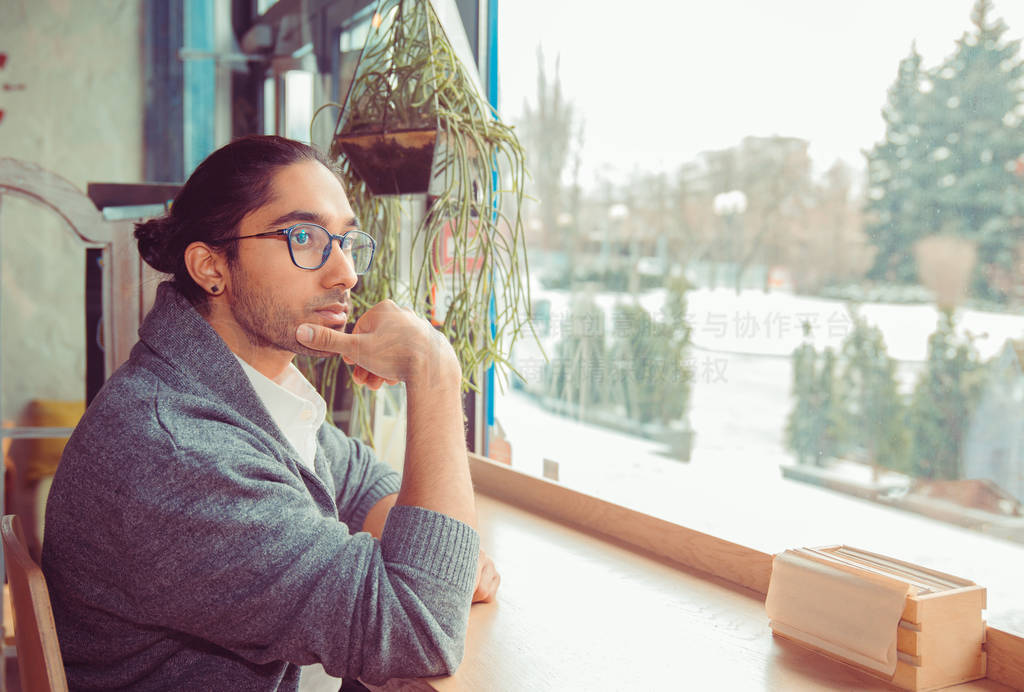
column 206, row 529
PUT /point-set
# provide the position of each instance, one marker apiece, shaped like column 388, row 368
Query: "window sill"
column 743, row 566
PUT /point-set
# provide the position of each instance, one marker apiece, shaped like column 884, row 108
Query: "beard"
column 268, row 322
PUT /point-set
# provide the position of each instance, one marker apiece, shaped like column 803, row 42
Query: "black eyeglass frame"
column 287, row 233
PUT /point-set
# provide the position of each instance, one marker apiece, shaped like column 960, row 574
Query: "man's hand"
column 387, row 344
column 487, row 579
column 392, row 344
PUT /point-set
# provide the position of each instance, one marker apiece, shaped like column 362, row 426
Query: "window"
column 741, row 272
column 288, row 96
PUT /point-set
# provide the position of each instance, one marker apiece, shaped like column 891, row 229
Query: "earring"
column 215, row 289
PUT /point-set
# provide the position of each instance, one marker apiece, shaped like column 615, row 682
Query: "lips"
column 334, row 315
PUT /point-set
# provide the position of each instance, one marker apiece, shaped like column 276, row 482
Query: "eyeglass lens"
column 311, row 246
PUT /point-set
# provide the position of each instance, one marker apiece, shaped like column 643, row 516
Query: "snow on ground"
column 733, row 487
column 770, row 323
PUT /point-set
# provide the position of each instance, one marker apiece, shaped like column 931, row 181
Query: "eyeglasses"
column 310, row 245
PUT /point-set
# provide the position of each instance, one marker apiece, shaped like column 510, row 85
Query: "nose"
column 339, row 270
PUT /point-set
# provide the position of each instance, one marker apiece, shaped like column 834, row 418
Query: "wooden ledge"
column 735, row 563
column 732, row 562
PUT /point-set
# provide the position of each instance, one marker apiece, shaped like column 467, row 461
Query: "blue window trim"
column 200, row 77
column 492, row 97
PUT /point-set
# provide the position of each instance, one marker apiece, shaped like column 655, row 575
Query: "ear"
column 207, row 267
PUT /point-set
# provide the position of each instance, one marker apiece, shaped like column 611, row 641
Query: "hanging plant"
column 388, row 129
column 415, row 121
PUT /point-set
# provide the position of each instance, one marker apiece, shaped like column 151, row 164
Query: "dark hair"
column 230, row 183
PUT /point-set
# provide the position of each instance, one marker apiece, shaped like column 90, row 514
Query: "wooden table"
column 577, row 612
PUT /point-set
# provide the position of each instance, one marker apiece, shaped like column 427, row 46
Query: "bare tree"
column 548, row 135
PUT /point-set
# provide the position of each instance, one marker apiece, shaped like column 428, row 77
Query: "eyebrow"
column 299, row 215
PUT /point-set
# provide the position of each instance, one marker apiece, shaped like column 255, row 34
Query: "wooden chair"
column 40, row 665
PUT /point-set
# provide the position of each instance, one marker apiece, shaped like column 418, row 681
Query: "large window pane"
column 776, row 255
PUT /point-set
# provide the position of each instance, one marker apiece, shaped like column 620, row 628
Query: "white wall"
column 74, row 105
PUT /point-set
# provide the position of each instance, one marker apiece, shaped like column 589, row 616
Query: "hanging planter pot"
column 388, row 129
column 392, row 163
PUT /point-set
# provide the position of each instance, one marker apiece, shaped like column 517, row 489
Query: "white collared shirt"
column 294, row 404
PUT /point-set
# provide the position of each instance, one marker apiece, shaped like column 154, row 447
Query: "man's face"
column 269, row 296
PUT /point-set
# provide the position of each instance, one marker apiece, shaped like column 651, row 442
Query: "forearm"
column 392, row 344
column 378, row 515
column 436, row 473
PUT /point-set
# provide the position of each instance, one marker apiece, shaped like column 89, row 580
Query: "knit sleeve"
column 360, row 478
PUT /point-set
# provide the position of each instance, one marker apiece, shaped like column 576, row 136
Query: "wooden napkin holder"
column 941, row 634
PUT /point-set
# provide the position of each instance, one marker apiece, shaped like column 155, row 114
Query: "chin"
column 300, row 350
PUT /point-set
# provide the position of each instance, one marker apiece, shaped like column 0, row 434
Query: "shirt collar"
column 290, row 399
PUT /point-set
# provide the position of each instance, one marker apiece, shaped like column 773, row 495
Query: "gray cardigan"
column 187, row 548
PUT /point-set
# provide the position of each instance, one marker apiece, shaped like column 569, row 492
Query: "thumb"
column 320, row 338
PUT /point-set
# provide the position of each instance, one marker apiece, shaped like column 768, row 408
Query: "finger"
column 359, row 375
column 366, row 378
column 492, row 585
column 487, row 579
column 488, row 588
column 320, row 338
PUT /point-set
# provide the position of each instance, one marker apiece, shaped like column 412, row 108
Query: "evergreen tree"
column 943, row 402
column 949, row 161
column 576, row 374
column 877, row 414
column 678, row 335
column 801, row 431
column 834, row 428
column 976, row 94
column 635, row 372
column 649, row 374
column 815, row 428
column 901, row 180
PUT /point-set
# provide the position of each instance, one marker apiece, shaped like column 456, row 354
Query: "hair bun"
column 156, row 244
